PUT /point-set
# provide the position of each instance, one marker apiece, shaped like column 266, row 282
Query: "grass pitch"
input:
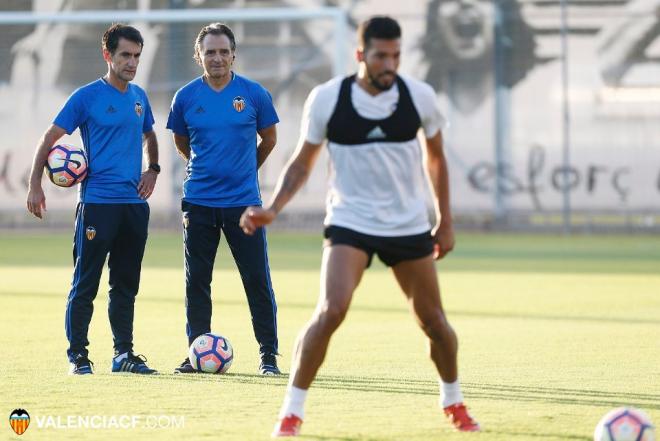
column 554, row 331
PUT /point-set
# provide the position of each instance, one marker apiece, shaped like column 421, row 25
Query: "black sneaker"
column 81, row 365
column 135, row 364
column 185, row 368
column 268, row 365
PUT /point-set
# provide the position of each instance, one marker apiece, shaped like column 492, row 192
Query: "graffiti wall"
column 521, row 135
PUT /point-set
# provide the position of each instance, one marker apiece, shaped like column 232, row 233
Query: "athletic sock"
column 450, row 393
column 294, row 402
column 120, row 357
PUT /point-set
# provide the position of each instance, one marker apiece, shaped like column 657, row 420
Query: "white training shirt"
column 377, row 188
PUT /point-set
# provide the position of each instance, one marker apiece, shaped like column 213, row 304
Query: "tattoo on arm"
column 294, row 179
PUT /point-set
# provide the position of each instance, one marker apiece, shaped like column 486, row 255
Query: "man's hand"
column 147, row 184
column 256, row 217
column 443, row 241
column 36, row 201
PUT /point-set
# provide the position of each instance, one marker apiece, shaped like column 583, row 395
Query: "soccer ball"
column 211, row 353
column 66, row 165
column 625, row 424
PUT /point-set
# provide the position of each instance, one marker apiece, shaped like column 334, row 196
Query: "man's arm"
column 268, row 137
column 292, row 178
column 36, row 200
column 148, row 178
column 443, row 232
column 182, row 144
column 150, row 144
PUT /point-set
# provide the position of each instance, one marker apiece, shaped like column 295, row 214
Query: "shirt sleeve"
column 74, row 113
column 175, row 120
column 314, row 123
column 148, row 124
column 429, row 110
column 266, row 113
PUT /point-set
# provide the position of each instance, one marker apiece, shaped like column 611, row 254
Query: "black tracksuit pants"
column 201, row 235
column 120, row 231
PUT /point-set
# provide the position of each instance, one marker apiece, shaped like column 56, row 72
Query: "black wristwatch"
column 154, row 167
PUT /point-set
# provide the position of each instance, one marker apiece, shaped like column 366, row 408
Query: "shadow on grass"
column 305, row 436
column 483, row 391
column 527, row 435
column 393, row 310
column 586, row 397
column 524, row 435
column 255, row 379
column 548, row 317
column 339, row 438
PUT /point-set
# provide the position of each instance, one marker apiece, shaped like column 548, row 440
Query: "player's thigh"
column 418, row 280
column 342, row 268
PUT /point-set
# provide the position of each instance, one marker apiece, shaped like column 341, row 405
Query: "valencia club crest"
column 90, row 232
column 239, row 103
column 19, row 420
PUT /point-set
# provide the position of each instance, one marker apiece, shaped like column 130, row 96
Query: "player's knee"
column 435, row 326
column 331, row 316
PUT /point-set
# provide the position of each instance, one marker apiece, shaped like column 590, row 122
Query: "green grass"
column 554, row 331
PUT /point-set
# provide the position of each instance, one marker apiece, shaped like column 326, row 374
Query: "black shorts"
column 390, row 250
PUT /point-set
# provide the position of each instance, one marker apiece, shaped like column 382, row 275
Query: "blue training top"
column 111, row 126
column 222, row 128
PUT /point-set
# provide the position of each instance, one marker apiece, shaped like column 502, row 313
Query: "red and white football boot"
column 287, row 426
column 460, row 418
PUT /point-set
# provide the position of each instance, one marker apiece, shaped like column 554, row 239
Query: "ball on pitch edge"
column 625, row 424
column 211, row 353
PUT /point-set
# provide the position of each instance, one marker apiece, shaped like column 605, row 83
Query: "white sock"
column 120, row 357
column 294, row 402
column 450, row 393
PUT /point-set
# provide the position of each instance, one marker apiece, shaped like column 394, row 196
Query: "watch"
column 155, row 167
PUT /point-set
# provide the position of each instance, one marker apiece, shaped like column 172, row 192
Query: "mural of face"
column 459, row 46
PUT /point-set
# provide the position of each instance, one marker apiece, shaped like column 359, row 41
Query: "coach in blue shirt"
column 215, row 120
column 114, row 118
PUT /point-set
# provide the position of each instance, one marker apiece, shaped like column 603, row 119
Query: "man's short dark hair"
column 380, row 27
column 111, row 37
column 213, row 29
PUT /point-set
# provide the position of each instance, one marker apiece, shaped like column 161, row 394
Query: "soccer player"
column 376, row 206
column 115, row 122
column 215, row 120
